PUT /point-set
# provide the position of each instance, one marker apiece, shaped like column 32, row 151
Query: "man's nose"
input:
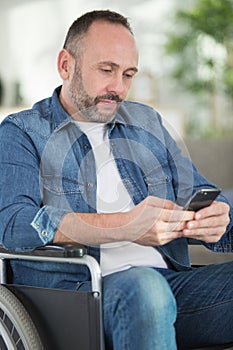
column 117, row 86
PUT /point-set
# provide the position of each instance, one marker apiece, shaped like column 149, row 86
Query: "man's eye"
column 106, row 70
column 129, row 76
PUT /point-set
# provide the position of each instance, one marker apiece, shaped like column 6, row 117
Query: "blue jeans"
column 159, row 309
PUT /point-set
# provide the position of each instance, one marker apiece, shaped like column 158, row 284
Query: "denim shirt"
column 47, row 169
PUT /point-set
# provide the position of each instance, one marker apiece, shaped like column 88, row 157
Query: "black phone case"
column 202, row 199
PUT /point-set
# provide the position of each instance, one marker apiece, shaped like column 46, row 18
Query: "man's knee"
column 144, row 291
column 153, row 293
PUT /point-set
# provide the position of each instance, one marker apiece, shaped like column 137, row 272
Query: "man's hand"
column 157, row 221
column 209, row 224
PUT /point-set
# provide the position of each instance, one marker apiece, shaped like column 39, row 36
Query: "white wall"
column 34, row 32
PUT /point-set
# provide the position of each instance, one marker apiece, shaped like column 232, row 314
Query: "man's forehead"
column 101, row 28
column 108, row 37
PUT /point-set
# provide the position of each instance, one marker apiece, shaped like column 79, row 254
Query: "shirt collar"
column 61, row 117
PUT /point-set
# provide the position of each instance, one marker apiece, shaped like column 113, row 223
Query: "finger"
column 156, row 239
column 209, row 222
column 169, row 227
column 167, row 237
column 208, row 235
column 215, row 209
column 176, row 215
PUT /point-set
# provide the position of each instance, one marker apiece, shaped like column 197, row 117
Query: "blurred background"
column 186, row 66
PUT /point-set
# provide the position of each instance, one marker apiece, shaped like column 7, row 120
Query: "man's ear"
column 64, row 64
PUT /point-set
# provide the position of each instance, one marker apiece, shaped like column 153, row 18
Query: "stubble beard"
column 88, row 108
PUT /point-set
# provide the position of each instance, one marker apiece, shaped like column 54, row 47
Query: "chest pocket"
column 62, row 192
column 159, row 181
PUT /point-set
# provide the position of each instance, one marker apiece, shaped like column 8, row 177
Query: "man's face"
column 88, row 106
column 102, row 78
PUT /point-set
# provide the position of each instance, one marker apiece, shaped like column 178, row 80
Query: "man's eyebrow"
column 115, row 65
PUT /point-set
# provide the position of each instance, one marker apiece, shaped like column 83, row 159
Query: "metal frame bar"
column 87, row 260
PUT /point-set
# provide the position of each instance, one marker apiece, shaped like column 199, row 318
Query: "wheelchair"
column 33, row 318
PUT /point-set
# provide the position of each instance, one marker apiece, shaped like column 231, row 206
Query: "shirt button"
column 44, row 233
column 90, row 184
column 86, row 146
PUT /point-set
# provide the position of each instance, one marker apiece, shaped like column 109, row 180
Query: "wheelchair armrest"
column 59, row 253
column 53, row 250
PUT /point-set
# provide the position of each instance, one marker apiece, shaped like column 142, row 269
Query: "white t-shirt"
column 112, row 196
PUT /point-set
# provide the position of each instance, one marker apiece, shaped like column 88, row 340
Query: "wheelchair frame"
column 17, row 323
column 19, row 328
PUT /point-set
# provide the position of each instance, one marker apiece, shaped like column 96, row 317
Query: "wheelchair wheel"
column 17, row 331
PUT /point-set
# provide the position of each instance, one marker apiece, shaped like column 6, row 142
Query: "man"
column 87, row 166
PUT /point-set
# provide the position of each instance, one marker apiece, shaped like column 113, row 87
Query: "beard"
column 87, row 106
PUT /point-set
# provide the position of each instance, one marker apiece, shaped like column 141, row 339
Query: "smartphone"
column 202, row 198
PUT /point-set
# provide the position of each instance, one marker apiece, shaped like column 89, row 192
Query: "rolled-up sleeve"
column 46, row 222
column 25, row 222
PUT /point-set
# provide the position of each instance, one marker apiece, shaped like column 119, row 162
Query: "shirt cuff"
column 46, row 222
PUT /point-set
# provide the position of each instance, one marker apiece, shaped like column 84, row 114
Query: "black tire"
column 17, row 330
